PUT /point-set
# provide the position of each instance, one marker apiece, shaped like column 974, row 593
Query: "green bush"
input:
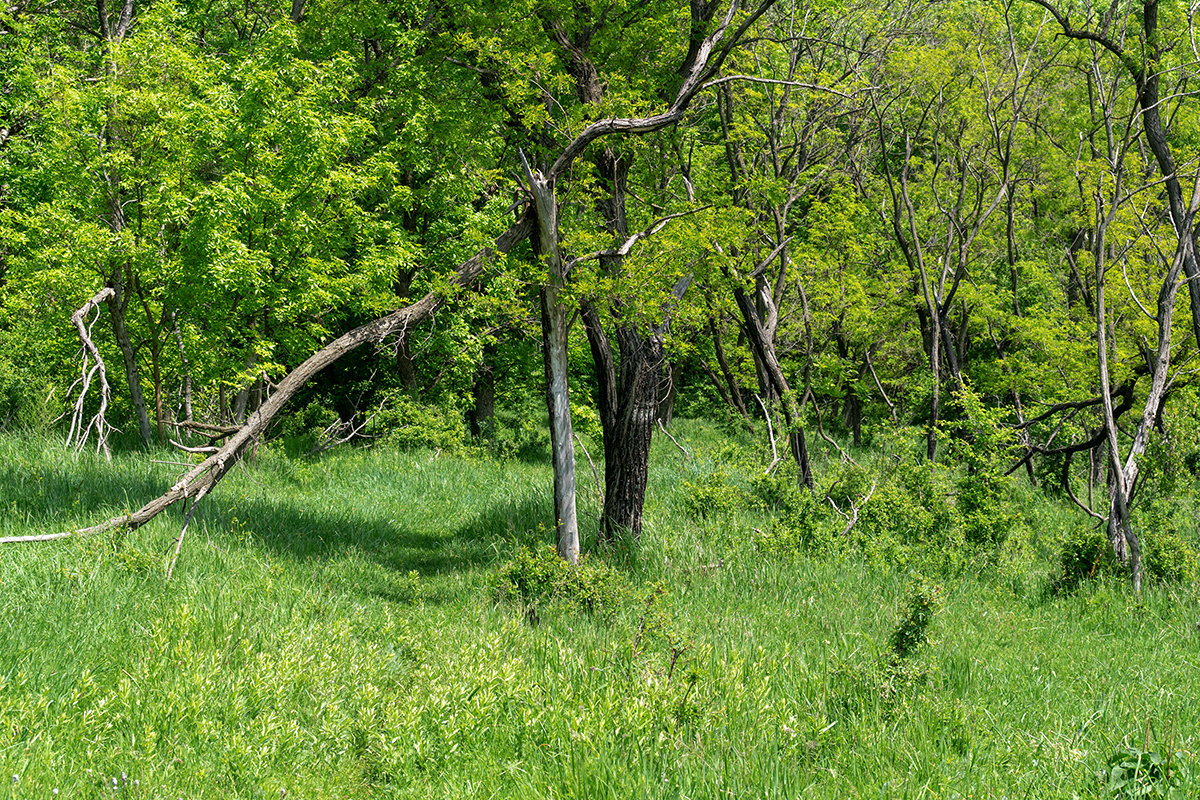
column 1085, row 554
column 803, row 525
column 410, row 424
column 520, row 435
column 1167, row 556
column 912, row 631
column 536, row 578
column 713, row 495
column 19, row 402
column 986, row 508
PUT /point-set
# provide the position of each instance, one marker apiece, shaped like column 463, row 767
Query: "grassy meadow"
column 334, row 629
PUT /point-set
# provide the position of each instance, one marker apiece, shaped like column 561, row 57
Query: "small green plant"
column 924, row 599
column 1133, row 772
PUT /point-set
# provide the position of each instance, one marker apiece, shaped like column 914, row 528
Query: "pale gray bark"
column 93, row 367
column 556, row 317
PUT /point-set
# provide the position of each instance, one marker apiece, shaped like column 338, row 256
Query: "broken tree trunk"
column 556, row 319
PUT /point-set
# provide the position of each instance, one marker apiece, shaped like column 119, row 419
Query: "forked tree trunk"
column 628, row 403
column 772, row 375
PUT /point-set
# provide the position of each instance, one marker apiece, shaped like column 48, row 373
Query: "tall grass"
column 331, row 632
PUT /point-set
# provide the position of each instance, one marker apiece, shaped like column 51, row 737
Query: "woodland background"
column 897, row 302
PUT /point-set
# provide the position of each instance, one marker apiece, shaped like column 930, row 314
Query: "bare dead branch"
column 79, row 430
column 675, row 441
column 775, row 458
column 182, row 531
column 592, row 464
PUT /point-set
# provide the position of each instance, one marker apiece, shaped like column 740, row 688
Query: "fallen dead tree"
column 201, row 478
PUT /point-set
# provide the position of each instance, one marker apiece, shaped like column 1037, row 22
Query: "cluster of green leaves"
column 537, row 577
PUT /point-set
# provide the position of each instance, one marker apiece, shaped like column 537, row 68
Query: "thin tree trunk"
column 117, row 304
column 555, row 328
column 187, row 370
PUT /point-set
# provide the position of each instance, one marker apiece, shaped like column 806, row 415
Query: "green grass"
column 331, row 632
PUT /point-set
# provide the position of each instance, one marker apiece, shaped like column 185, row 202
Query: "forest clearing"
column 631, row 398
column 336, row 628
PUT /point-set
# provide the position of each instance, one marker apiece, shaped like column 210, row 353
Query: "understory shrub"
column 1087, row 554
column 712, row 495
column 536, row 578
column 410, row 424
column 519, row 434
column 890, row 681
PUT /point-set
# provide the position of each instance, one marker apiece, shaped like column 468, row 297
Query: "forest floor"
column 334, row 630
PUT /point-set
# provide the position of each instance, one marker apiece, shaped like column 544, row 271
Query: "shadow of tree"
column 367, row 552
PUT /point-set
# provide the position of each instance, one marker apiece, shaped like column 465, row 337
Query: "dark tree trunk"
column 628, row 402
column 735, row 391
column 117, row 305
column 483, row 394
column 405, row 367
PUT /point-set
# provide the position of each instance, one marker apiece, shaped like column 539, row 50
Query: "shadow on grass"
column 371, row 552
column 301, row 535
column 83, row 488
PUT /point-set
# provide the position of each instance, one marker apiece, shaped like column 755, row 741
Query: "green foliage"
column 1086, row 554
column 714, row 495
column 894, row 682
column 923, row 601
column 407, row 423
column 537, row 577
column 1132, row 773
column 1169, row 557
column 13, row 389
